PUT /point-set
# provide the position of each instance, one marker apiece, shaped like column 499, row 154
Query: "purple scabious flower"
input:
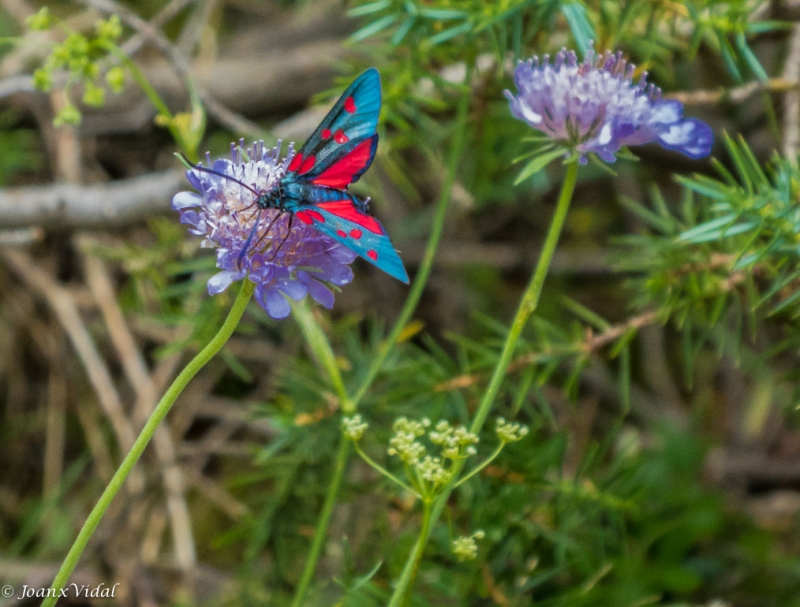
column 594, row 107
column 283, row 264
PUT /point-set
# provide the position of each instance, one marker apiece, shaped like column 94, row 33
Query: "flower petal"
column 667, row 111
column 294, row 289
column 191, row 218
column 275, row 304
column 691, row 137
column 222, row 280
column 320, row 293
column 185, row 200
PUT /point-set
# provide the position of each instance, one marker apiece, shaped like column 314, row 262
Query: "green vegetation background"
column 657, row 377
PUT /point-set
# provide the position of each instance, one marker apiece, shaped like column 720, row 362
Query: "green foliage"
column 81, row 57
column 730, row 255
column 604, row 502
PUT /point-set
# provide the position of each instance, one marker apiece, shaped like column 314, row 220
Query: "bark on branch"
column 69, row 206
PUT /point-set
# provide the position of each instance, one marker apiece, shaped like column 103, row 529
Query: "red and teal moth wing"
column 336, row 155
column 338, row 215
column 344, row 144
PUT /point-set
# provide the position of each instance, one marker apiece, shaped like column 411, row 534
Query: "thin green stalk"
column 477, row 469
column 169, row 120
column 383, row 470
column 140, row 79
column 426, row 266
column 321, row 532
column 530, row 299
column 528, row 303
column 161, row 410
column 322, row 351
column 412, row 565
column 405, row 315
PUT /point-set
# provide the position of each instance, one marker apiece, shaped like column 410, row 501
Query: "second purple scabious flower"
column 595, row 107
column 282, row 265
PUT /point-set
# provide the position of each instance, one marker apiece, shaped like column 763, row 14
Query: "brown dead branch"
column 69, row 206
column 67, row 313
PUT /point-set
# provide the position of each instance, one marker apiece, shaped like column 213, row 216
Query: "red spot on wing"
column 350, row 105
column 340, row 174
column 356, row 233
column 341, row 233
column 340, row 138
column 326, row 133
column 298, row 158
column 345, row 209
column 372, row 255
column 308, row 217
column 307, row 165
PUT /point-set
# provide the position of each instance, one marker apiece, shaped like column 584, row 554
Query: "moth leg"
column 266, row 232
column 288, row 231
column 246, row 246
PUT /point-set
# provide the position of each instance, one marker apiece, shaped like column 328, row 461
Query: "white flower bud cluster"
column 432, row 470
column 453, row 440
column 404, row 442
column 354, row 427
column 465, row 548
column 509, row 432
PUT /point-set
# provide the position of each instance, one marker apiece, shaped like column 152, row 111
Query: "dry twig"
column 147, row 393
column 68, row 206
column 67, row 313
column 735, row 95
column 589, row 345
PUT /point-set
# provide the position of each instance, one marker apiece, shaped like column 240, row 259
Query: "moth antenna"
column 203, row 169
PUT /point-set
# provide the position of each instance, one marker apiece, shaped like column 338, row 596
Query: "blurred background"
column 658, row 376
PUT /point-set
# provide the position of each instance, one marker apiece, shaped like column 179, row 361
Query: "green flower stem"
column 430, row 250
column 530, row 299
column 527, row 306
column 321, row 348
column 161, row 410
column 321, row 532
column 412, row 565
column 477, row 469
column 405, row 315
column 140, row 79
column 156, row 100
column 384, row 471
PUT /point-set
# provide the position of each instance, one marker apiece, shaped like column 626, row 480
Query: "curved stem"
column 158, row 103
column 321, row 349
column 405, row 314
column 527, row 305
column 384, row 471
column 321, row 532
column 430, row 250
column 409, row 574
column 480, row 467
column 530, row 298
column 161, row 410
column 140, row 79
